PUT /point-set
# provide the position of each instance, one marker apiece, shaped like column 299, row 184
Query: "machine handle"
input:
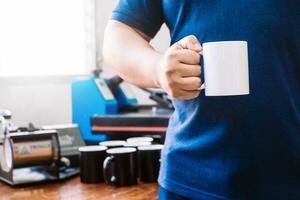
column 113, row 84
column 108, row 170
column 116, row 80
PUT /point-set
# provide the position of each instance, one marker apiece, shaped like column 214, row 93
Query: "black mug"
column 120, row 167
column 113, row 143
column 137, row 144
column 149, row 162
column 139, row 139
column 91, row 161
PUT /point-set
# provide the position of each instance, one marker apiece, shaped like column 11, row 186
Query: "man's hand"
column 179, row 70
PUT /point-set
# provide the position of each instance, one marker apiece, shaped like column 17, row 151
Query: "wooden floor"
column 73, row 190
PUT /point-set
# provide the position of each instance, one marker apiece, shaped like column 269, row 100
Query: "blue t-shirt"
column 235, row 147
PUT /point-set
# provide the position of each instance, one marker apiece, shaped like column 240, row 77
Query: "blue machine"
column 93, row 96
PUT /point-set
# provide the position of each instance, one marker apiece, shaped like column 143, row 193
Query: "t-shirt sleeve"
column 144, row 15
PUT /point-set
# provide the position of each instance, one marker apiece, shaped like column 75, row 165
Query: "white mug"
column 226, row 69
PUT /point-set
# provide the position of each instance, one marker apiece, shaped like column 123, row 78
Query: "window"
column 45, row 37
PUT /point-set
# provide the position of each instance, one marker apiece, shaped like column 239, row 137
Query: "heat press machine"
column 108, row 109
column 23, row 153
column 29, row 155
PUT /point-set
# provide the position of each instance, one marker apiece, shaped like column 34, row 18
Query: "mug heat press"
column 31, row 155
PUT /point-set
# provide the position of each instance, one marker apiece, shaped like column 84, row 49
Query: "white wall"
column 47, row 100
column 41, row 100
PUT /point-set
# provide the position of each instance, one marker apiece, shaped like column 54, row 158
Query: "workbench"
column 72, row 189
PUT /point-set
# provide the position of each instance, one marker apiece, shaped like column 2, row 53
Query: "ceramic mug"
column 226, row 68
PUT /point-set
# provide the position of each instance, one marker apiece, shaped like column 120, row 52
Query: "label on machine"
column 105, row 91
column 27, row 151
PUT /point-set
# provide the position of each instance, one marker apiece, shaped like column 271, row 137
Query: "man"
column 234, row 147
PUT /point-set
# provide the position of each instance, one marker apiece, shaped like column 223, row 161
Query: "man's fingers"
column 190, row 83
column 190, row 42
column 187, row 56
column 186, row 95
column 182, row 69
column 190, row 70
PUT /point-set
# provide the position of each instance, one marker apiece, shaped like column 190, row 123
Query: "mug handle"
column 202, row 87
column 107, row 172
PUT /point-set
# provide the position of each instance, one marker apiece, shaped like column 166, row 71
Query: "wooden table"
column 72, row 189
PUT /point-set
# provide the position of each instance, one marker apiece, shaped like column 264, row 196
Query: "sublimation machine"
column 108, row 109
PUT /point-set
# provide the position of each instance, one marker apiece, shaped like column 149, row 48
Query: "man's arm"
column 130, row 53
column 177, row 71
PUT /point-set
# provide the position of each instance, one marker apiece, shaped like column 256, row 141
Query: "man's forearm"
column 130, row 53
